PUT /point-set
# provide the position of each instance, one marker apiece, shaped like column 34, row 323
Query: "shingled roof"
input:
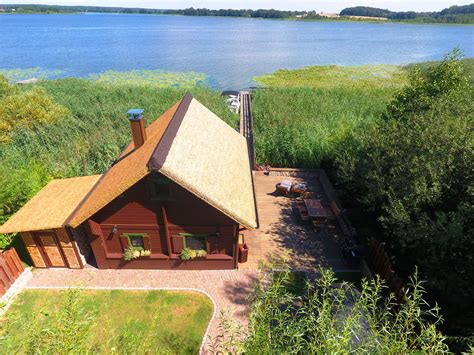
column 192, row 147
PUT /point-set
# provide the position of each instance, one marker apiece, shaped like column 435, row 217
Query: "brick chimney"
column 137, row 124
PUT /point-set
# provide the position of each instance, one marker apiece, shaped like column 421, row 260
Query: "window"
column 136, row 241
column 194, row 241
column 160, row 189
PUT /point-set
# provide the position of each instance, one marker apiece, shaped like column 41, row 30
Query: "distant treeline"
column 453, row 14
column 74, row 9
column 271, row 13
column 261, row 13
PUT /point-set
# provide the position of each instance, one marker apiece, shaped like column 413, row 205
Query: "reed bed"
column 304, row 127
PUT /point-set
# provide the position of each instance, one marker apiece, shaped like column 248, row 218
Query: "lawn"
column 51, row 321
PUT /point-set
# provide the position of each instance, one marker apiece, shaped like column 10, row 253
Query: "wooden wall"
column 10, row 269
column 136, row 212
column 61, row 250
column 34, row 250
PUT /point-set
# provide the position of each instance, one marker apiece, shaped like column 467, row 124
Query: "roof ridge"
column 158, row 157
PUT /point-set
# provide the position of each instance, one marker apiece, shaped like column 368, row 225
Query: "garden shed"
column 42, row 222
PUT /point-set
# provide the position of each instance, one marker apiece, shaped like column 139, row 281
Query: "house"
column 182, row 189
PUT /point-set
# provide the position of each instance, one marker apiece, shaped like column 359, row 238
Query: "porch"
column 282, row 234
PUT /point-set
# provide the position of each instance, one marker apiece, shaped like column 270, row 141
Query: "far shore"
column 357, row 19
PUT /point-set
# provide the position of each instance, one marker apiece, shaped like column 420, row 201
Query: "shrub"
column 26, row 109
column 331, row 318
column 201, row 253
column 187, row 254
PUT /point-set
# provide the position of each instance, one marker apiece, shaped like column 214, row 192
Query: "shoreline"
column 329, row 19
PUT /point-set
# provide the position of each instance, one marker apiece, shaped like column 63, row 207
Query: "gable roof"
column 209, row 158
column 192, row 147
column 51, row 207
column 126, row 172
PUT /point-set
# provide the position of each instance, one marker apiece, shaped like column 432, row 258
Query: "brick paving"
column 228, row 288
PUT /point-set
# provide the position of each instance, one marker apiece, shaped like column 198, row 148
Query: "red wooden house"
column 175, row 198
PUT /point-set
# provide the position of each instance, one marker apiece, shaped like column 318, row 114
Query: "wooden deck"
column 282, row 234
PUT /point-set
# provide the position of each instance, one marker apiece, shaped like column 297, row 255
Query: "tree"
column 415, row 174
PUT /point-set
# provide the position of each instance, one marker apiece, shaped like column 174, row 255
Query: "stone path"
column 228, row 288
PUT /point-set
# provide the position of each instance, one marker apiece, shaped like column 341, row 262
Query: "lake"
column 230, row 51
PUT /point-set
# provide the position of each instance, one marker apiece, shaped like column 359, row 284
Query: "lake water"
column 229, row 50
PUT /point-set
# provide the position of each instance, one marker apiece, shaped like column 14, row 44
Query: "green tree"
column 448, row 80
column 415, row 174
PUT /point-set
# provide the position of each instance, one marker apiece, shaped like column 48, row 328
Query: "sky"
column 318, row 5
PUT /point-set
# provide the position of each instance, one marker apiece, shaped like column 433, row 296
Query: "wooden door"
column 51, row 249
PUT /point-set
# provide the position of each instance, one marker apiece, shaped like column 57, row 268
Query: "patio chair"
column 284, row 187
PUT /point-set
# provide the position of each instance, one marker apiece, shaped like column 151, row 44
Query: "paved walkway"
column 228, row 288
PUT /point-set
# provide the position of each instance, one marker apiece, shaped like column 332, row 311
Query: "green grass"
column 303, row 116
column 332, row 76
column 122, row 321
column 154, row 78
column 304, row 127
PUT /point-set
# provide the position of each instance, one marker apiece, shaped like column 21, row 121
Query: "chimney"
column 138, row 126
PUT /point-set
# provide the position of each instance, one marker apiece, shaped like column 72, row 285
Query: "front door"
column 50, row 246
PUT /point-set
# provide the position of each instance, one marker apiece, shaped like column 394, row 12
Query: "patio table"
column 315, row 208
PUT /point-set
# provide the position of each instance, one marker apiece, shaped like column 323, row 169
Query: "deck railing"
column 379, row 263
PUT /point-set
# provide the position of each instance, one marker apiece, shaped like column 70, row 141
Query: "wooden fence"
column 10, row 269
column 379, row 263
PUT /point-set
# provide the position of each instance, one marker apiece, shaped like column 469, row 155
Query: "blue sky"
column 325, row 5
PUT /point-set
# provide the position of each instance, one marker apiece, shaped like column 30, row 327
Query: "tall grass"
column 330, row 317
column 303, row 117
column 91, row 138
column 303, row 127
